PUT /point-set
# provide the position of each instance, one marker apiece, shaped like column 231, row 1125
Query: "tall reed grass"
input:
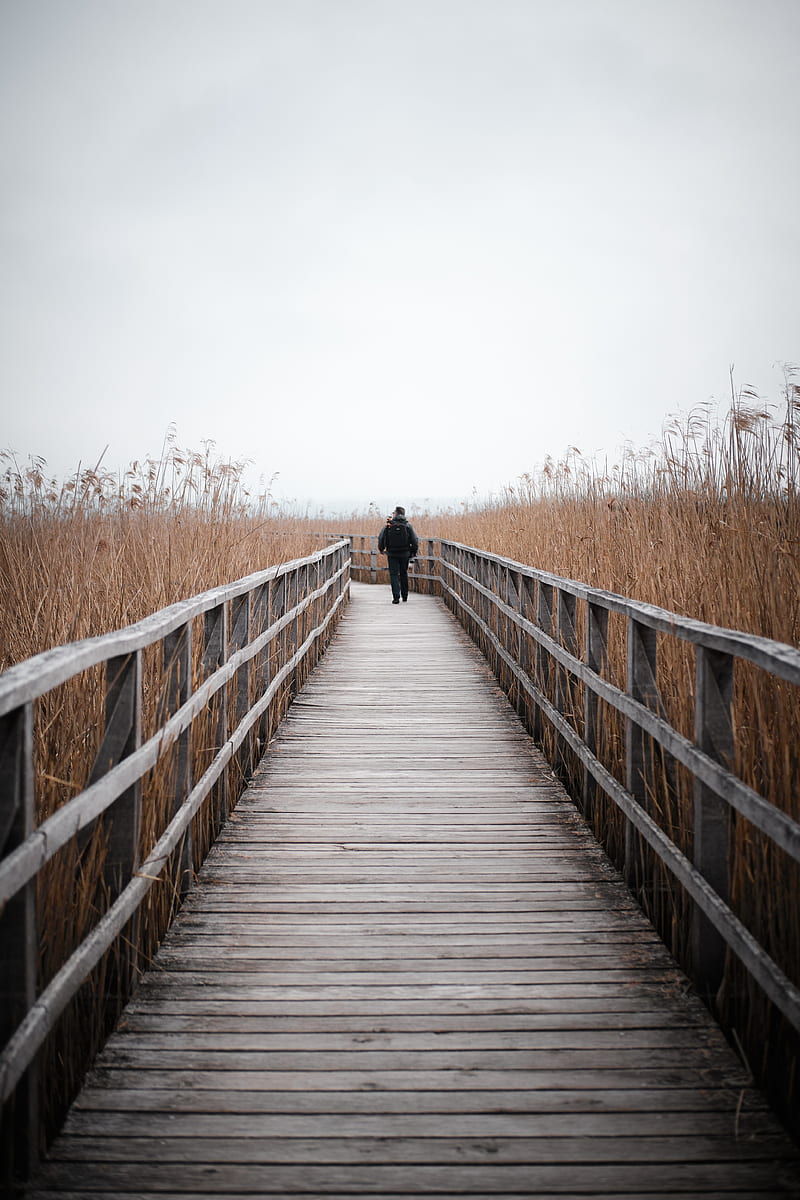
column 81, row 558
column 100, row 551
column 706, row 523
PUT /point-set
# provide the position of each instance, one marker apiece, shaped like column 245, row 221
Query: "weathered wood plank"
column 752, row 1115
column 408, row 970
column 384, row 957
column 688, row 1074
column 154, row 1042
column 454, row 1140
column 659, row 1009
column 414, row 1179
column 166, row 1194
column 209, row 1018
column 239, row 992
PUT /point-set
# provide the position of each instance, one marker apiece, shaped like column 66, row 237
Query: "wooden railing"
column 585, row 669
column 605, row 683
column 191, row 695
column 686, row 819
column 368, row 566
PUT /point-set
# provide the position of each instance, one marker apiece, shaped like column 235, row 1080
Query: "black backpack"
column 397, row 536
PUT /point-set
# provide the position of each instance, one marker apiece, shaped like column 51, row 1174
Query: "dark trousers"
column 398, row 575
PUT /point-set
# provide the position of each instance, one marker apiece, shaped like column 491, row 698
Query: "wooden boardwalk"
column 407, row 970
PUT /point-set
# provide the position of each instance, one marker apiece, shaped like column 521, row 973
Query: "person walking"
column 399, row 543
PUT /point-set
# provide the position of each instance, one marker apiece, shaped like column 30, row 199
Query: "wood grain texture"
column 406, row 970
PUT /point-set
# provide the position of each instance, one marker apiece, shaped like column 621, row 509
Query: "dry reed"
column 99, row 551
column 83, row 558
column 705, row 523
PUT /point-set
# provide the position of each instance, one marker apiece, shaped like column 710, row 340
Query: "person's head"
column 399, row 511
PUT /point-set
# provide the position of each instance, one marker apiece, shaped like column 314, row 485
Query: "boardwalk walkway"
column 408, row 969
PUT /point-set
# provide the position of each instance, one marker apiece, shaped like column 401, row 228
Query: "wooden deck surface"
column 409, row 970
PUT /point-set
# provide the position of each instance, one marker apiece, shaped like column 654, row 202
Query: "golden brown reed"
column 86, row 557
column 99, row 552
column 705, row 523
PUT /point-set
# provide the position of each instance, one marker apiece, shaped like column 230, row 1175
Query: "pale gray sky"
column 390, row 249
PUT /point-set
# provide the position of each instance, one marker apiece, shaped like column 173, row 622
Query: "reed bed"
column 705, row 523
column 81, row 558
column 101, row 551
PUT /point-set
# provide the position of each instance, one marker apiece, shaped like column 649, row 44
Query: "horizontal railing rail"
column 556, row 667
column 475, row 583
column 607, row 728
column 219, row 696
column 369, row 566
column 584, row 667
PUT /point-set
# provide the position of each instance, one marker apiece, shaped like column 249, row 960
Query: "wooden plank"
column 457, row 1140
column 626, row 1007
column 450, row 1122
column 183, row 1194
column 147, row 1177
column 355, row 1059
column 412, row 977
column 240, row 992
column 752, row 1118
column 204, row 1021
column 305, row 1040
column 388, row 912
column 264, row 951
column 688, row 1074
column 318, row 977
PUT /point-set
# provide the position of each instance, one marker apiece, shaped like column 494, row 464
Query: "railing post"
column 296, row 580
column 500, row 590
column 527, row 645
column 316, row 608
column 260, row 620
column 240, row 637
column 496, row 585
column 514, row 634
column 492, row 580
column 279, row 647
column 443, row 572
column 215, row 653
column 641, row 686
column 544, row 619
column 373, row 559
column 19, row 948
column 122, row 821
column 123, row 735
column 474, row 568
column 567, row 635
column 596, row 658
column 178, row 666
column 483, row 575
column 566, row 686
column 713, row 733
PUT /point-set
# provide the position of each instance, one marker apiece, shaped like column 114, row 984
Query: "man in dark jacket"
column 399, row 543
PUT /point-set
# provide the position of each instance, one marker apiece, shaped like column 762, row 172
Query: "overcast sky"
column 390, row 249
